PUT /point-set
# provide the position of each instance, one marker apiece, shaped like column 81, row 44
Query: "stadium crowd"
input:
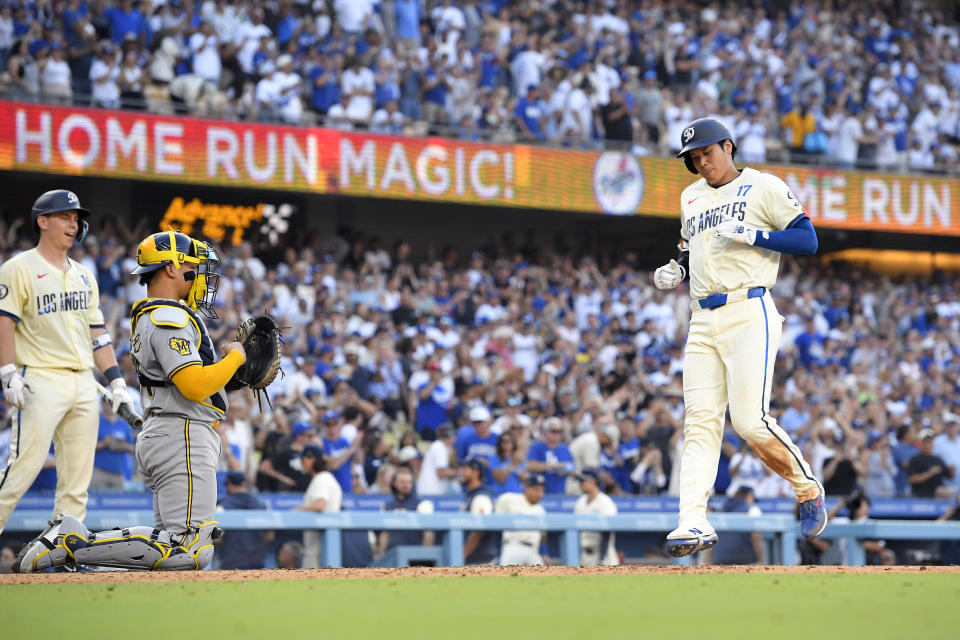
column 537, row 359
column 848, row 83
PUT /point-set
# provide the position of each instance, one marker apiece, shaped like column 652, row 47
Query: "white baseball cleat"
column 683, row 542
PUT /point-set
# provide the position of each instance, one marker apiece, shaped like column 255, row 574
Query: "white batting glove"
column 736, row 231
column 119, row 394
column 13, row 385
column 669, row 275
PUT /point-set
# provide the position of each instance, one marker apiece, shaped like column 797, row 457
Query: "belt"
column 715, row 300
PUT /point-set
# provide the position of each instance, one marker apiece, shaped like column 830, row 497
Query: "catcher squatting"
column 183, row 393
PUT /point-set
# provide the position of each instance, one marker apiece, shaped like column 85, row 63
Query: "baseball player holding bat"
column 182, row 392
column 52, row 334
column 734, row 226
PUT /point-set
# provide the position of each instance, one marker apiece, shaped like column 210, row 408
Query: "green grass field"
column 583, row 607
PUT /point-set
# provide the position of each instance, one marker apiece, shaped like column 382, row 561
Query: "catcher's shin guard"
column 146, row 548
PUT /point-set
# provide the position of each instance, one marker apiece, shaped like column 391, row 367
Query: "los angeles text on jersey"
column 63, row 301
column 712, row 217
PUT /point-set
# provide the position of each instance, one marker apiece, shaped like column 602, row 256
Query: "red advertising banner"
column 78, row 141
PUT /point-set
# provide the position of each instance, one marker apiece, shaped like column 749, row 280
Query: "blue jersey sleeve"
column 799, row 238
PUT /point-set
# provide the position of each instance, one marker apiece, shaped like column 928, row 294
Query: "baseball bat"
column 125, row 411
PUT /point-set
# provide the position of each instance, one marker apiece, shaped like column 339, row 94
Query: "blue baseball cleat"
column 813, row 517
column 683, row 542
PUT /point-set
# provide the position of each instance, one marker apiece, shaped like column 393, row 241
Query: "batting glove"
column 669, row 275
column 734, row 230
column 119, row 394
column 13, row 385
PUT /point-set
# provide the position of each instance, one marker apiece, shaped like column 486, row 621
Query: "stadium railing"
column 143, row 500
column 784, row 527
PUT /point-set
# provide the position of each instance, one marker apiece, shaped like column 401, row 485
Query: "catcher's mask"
column 173, row 247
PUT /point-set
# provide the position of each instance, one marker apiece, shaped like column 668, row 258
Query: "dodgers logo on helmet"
column 72, row 198
column 688, row 133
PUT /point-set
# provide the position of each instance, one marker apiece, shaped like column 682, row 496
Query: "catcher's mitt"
column 261, row 338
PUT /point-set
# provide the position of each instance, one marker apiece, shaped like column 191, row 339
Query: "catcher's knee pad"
column 195, row 550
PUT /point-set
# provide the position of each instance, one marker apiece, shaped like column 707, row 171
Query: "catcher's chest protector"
column 205, row 348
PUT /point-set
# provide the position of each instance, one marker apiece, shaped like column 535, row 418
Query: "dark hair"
column 146, row 278
column 350, row 413
column 319, row 464
column 503, row 438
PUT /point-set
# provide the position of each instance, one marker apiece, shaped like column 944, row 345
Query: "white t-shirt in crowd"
column 360, row 107
column 104, row 92
column 430, row 483
column 206, row 57
column 848, row 140
column 250, row 35
column 352, row 14
column 577, row 114
column 55, row 78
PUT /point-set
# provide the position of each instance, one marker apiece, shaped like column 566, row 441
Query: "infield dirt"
column 445, row 572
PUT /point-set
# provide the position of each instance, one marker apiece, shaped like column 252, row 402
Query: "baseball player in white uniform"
column 51, row 335
column 734, row 226
column 522, row 548
column 596, row 547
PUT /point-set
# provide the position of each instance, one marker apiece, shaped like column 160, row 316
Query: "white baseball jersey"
column 718, row 265
column 516, row 503
column 590, row 541
column 54, row 311
column 323, row 485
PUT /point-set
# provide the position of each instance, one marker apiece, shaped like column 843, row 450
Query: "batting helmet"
column 172, row 247
column 56, row 201
column 702, row 133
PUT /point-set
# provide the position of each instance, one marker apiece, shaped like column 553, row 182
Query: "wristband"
column 101, row 341
column 112, row 373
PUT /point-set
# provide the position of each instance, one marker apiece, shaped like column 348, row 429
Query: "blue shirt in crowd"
column 540, row 452
column 511, row 485
column 335, row 449
column 120, row 462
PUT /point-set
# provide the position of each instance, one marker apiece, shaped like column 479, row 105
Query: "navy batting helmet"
column 702, row 133
column 56, row 201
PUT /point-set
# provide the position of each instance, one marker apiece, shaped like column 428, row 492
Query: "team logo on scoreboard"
column 617, row 182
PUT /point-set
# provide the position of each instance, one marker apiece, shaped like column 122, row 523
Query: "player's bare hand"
column 13, row 385
column 234, row 346
column 669, row 275
column 735, row 230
